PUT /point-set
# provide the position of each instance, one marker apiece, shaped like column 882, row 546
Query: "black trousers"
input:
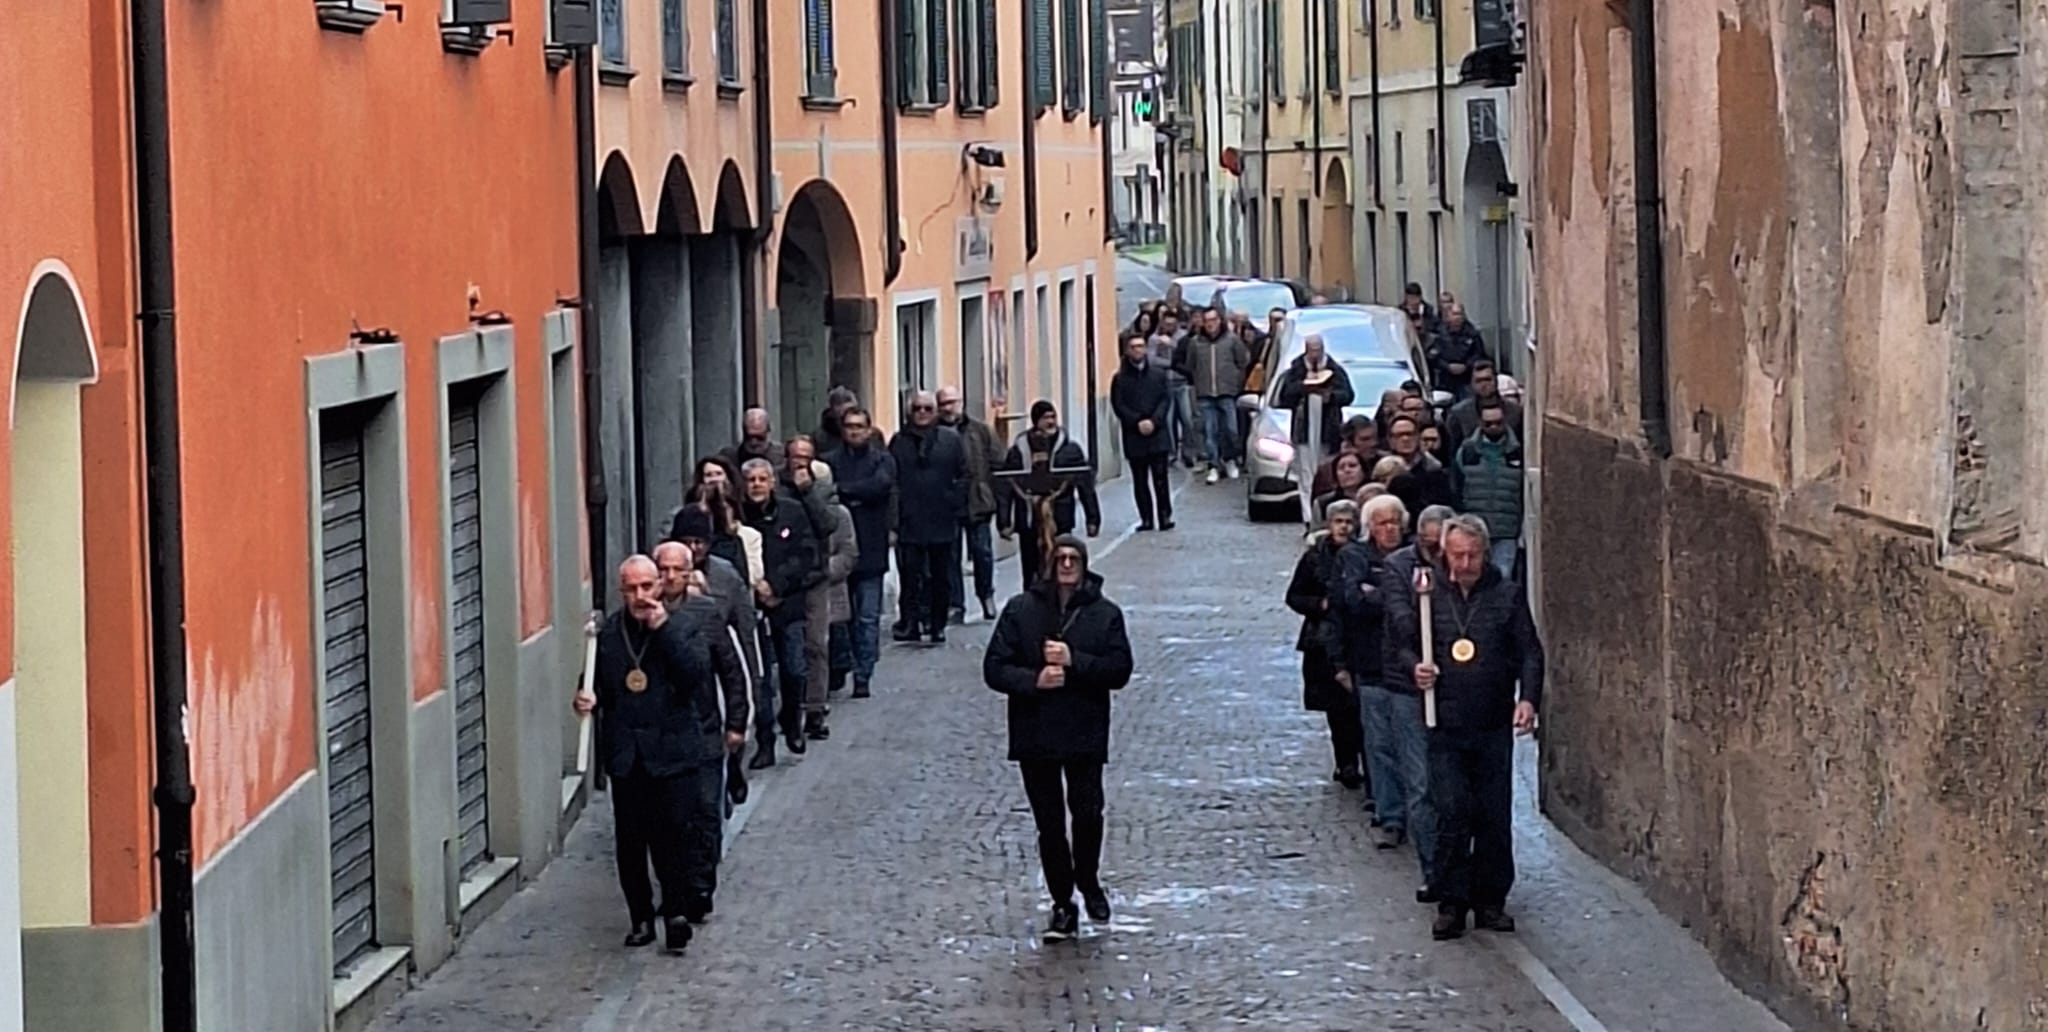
column 1347, row 731
column 925, row 584
column 1471, row 782
column 679, row 823
column 1148, row 483
column 1058, row 791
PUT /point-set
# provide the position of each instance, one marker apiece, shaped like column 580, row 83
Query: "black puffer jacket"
column 1362, row 598
column 1316, row 593
column 931, row 484
column 791, row 554
column 1480, row 693
column 1069, row 723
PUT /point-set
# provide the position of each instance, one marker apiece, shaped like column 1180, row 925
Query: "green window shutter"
column 939, row 30
column 1071, row 62
column 1098, row 61
column 1043, row 92
column 906, row 52
column 991, row 64
column 822, row 77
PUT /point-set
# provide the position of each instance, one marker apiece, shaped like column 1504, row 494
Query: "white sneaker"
column 1230, row 470
column 1212, row 477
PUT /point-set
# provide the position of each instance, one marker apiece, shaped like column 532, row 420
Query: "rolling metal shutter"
column 345, row 612
column 466, row 576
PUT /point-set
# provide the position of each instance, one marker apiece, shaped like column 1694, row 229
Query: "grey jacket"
column 728, row 589
column 841, row 559
column 1214, row 366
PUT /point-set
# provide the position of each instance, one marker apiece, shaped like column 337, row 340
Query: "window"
column 1276, row 68
column 1279, row 238
column 1401, row 248
column 1400, row 158
column 1044, row 92
column 1072, row 64
column 728, row 44
column 1333, row 47
column 980, row 63
column 1425, row 9
column 1372, row 161
column 1372, row 257
column 1098, row 61
column 611, row 33
column 917, row 359
column 675, row 40
column 925, row 58
column 821, row 72
column 1307, row 244
column 1254, row 235
column 1429, row 141
column 974, row 354
column 1436, row 249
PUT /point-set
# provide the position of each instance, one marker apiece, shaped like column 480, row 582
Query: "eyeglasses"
column 1067, row 559
column 924, row 408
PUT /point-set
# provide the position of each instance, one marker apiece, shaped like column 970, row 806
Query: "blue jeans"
column 789, row 651
column 1180, row 419
column 1219, row 429
column 857, row 643
column 1397, row 753
column 1503, row 553
column 981, row 550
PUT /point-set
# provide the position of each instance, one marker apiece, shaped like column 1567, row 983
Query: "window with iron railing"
column 821, row 70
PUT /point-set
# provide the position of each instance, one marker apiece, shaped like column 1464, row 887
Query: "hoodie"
column 1069, row 723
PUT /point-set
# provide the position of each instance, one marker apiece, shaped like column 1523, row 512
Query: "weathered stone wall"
column 1803, row 691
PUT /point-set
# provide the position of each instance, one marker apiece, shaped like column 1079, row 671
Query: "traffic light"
column 1145, row 106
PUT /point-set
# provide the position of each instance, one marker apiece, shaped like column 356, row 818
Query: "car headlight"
column 1269, row 442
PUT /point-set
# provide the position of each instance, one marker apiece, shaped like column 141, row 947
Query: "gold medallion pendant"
column 636, row 681
column 1463, row 650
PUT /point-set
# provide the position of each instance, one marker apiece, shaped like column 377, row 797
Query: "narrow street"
column 888, row 879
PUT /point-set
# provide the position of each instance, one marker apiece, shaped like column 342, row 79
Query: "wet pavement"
column 888, row 879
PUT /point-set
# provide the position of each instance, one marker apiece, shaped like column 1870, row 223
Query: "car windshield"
column 1375, row 362
column 1258, row 298
column 1360, row 343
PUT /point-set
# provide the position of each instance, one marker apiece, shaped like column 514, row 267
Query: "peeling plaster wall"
column 1807, row 710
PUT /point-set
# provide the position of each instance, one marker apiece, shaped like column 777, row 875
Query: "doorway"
column 974, row 352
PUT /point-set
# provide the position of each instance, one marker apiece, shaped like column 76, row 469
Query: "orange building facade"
column 375, row 254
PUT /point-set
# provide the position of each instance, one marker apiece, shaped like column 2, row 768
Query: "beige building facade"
column 1297, row 182
column 1800, row 695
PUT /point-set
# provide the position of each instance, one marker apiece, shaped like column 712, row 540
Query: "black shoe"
column 815, row 729
column 1063, row 924
column 1350, row 778
column 837, row 683
column 641, row 935
column 860, row 690
column 1427, row 896
column 764, row 755
column 906, row 633
column 735, row 781
column 1144, row 525
column 1450, row 924
column 938, row 637
column 1166, row 525
column 1097, row 902
column 988, row 608
column 959, row 614
column 675, row 934
column 1492, row 919
column 697, row 912
column 794, row 739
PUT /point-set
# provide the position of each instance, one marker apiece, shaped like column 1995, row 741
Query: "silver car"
column 1254, row 297
column 1379, row 352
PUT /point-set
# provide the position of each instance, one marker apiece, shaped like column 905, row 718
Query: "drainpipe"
column 1650, row 366
column 164, row 512
column 1031, row 112
column 1266, row 170
column 892, row 151
column 587, row 263
column 1379, row 197
column 764, row 131
column 1443, row 125
column 1109, row 178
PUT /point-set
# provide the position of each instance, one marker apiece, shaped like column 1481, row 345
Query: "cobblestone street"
column 888, row 879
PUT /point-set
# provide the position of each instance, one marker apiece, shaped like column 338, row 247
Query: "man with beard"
column 667, row 720
column 866, row 477
column 1214, row 361
column 727, row 588
column 1462, row 421
column 793, row 565
column 1314, row 370
column 1425, row 482
column 1045, row 448
column 1057, row 653
column 931, row 503
column 830, row 437
column 1485, row 644
column 1143, row 403
column 982, row 457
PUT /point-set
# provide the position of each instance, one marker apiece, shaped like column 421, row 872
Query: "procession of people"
column 764, row 599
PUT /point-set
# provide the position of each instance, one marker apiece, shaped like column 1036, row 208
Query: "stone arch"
column 618, row 200
column 1336, row 266
column 1336, row 184
column 53, row 338
column 676, row 212
column 819, row 223
column 826, row 318
column 731, row 208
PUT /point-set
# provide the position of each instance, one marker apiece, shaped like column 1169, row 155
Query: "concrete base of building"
column 103, row 977
column 261, row 921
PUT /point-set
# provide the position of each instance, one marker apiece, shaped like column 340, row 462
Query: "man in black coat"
column 931, row 504
column 667, row 715
column 1045, row 446
column 866, row 476
column 1057, row 652
column 793, row 560
column 1485, row 644
column 1425, row 482
column 1315, row 369
column 1143, row 403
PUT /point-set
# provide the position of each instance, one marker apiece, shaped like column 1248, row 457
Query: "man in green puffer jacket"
column 1487, row 470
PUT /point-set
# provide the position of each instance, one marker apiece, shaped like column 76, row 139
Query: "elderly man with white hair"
column 1315, row 372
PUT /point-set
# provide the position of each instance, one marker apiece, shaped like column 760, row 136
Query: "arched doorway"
column 48, row 883
column 828, row 324
column 1488, row 293
column 618, row 226
column 1336, row 276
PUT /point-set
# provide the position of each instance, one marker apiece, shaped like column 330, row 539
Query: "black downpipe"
column 764, row 131
column 1109, row 182
column 156, row 268
column 1273, row 261
column 587, row 261
column 892, row 150
column 1211, row 234
column 1379, row 197
column 1031, row 112
column 1650, row 364
column 1443, row 125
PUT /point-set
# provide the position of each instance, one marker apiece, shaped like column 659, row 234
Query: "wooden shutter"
column 907, row 83
column 1071, row 66
column 479, row 12
column 575, row 23
column 1098, row 61
column 1044, row 94
column 939, row 33
column 991, row 68
column 822, row 77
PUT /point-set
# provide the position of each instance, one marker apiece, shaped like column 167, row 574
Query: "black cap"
column 692, row 523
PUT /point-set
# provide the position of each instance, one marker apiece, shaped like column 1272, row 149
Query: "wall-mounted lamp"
column 986, row 155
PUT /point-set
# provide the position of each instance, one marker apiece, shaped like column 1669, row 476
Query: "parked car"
column 1240, row 294
column 1378, row 350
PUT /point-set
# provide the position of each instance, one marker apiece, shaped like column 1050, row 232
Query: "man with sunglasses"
column 1057, row 652
column 931, row 504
